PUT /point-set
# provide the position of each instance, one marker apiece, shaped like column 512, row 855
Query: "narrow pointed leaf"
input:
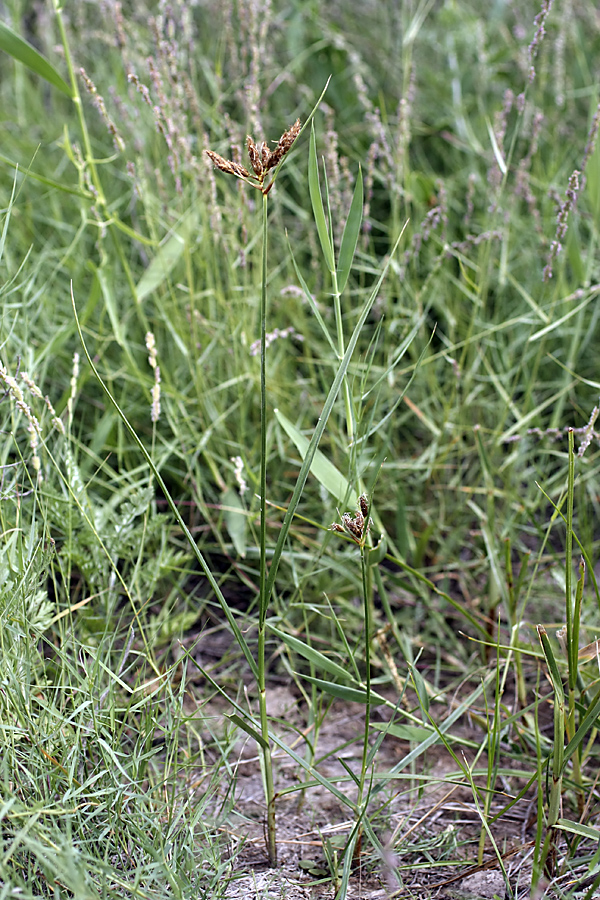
column 354, row 777
column 584, row 831
column 350, row 695
column 317, row 202
column 351, row 232
column 241, row 723
column 289, row 751
column 404, row 732
column 318, row 659
column 23, row 52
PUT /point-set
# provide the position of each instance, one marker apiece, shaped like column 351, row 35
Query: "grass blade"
column 317, row 202
column 23, row 52
column 351, row 232
column 323, row 470
column 314, row 656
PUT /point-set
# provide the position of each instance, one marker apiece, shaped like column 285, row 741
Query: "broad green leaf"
column 404, row 732
column 319, row 660
column 323, row 470
column 351, row 695
column 167, row 258
column 23, row 52
column 317, row 202
column 235, row 519
column 351, row 232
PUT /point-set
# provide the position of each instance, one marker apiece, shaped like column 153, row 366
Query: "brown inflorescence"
column 261, row 158
column 357, row 525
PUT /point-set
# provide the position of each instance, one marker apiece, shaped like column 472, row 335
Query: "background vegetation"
column 476, row 133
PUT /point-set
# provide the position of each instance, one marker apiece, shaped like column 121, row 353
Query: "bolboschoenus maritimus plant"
column 265, row 164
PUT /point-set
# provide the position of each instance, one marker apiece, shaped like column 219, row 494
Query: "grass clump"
column 185, row 415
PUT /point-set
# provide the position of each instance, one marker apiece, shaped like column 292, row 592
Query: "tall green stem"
column 364, row 550
column 341, row 350
column 265, row 747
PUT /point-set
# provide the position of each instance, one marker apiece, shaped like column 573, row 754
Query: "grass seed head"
column 261, row 158
column 285, row 144
column 226, row 165
column 255, row 158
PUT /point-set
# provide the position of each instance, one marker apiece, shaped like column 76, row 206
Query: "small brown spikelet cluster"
column 357, row 526
column 261, row 158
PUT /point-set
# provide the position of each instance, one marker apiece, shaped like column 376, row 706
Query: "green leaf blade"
column 323, row 470
column 342, row 692
column 235, row 520
column 312, row 655
column 24, row 53
column 351, row 232
column 167, row 257
column 317, row 202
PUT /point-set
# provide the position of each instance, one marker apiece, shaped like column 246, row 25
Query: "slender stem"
column 337, row 305
column 367, row 612
column 263, row 424
column 572, row 649
column 263, row 596
column 88, row 156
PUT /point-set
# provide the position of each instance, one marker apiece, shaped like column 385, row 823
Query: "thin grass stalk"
column 337, row 305
column 364, row 551
column 514, row 620
column 264, row 748
column 88, row 155
column 572, row 648
column 573, row 613
column 572, row 705
column 493, row 741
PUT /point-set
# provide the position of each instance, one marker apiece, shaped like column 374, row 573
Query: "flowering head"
column 262, row 160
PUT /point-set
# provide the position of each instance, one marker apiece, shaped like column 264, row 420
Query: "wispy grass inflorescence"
column 34, row 428
column 73, row 385
column 98, row 101
column 538, row 37
column 152, row 360
column 271, row 336
column 238, row 473
column 562, row 219
column 587, row 433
